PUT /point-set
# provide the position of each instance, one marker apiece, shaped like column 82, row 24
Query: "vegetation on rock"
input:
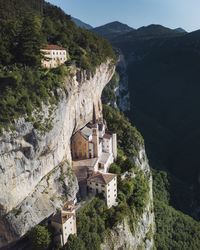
column 95, row 220
column 40, row 238
column 174, row 229
column 24, row 85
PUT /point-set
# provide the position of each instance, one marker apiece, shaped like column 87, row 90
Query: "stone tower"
column 95, row 139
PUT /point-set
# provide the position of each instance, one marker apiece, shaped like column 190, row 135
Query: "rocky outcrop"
column 35, row 167
column 141, row 238
column 122, row 93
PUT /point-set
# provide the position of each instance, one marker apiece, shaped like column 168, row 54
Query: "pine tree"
column 30, row 41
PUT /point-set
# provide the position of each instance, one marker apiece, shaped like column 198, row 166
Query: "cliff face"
column 35, row 167
column 121, row 237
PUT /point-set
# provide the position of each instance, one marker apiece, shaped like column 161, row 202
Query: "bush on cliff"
column 95, row 220
column 40, row 238
column 24, row 86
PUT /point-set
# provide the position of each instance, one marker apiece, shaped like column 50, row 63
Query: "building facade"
column 106, row 184
column 64, row 223
column 93, row 141
column 53, row 56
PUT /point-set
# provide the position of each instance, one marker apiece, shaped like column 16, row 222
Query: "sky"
column 135, row 13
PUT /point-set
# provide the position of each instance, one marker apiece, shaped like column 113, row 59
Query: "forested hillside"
column 24, row 29
column 163, row 71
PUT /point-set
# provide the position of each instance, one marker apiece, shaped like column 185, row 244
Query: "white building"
column 54, row 56
column 105, row 184
column 64, row 223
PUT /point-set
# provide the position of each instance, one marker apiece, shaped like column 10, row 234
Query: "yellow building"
column 54, row 56
column 64, row 223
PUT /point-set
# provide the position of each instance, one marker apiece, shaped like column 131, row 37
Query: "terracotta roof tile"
column 53, row 47
column 102, row 178
column 107, row 136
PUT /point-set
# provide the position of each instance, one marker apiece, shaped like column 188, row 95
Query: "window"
column 108, row 196
column 115, row 195
column 97, row 184
column 108, row 184
column 108, row 190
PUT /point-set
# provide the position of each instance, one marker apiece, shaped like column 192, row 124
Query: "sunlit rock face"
column 35, row 167
column 121, row 236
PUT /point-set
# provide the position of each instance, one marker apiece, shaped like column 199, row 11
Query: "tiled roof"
column 101, row 178
column 61, row 217
column 104, row 157
column 107, row 136
column 53, row 47
column 86, row 132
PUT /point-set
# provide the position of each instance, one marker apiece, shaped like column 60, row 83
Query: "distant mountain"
column 163, row 72
column 152, row 31
column 81, row 24
column 112, row 30
column 181, row 30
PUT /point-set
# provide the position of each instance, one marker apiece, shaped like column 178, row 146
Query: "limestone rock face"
column 35, row 167
column 121, row 237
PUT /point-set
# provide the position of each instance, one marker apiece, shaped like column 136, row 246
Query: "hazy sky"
column 136, row 13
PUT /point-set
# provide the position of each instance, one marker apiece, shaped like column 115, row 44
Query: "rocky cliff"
column 35, row 167
column 141, row 234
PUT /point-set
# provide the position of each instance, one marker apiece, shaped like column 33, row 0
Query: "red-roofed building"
column 54, row 56
column 105, row 184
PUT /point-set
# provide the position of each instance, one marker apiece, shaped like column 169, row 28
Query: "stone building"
column 64, row 223
column 54, row 56
column 106, row 184
column 93, row 141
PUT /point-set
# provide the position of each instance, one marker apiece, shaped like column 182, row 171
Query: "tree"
column 115, row 169
column 74, row 243
column 30, row 41
column 40, row 238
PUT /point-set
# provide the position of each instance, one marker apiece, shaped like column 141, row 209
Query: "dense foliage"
column 175, row 230
column 24, row 29
column 163, row 72
column 128, row 137
column 95, row 220
column 40, row 238
column 24, row 90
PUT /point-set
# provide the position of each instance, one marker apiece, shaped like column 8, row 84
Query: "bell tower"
column 95, row 139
